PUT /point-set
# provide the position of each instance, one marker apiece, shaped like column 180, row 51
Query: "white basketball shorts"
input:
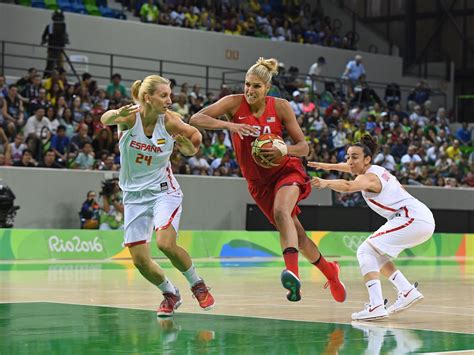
column 400, row 233
column 146, row 211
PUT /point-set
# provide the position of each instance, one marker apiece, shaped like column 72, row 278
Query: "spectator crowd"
column 54, row 123
column 278, row 20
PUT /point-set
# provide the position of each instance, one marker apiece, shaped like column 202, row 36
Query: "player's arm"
column 124, row 116
column 188, row 138
column 369, row 182
column 207, row 117
column 300, row 147
column 344, row 167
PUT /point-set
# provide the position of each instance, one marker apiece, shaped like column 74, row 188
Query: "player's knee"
column 367, row 257
column 281, row 215
column 141, row 262
column 165, row 244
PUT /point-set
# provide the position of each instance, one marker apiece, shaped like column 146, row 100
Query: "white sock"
column 375, row 292
column 399, row 281
column 191, row 275
column 167, row 286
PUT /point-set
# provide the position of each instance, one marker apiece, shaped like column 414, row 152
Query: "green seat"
column 25, row 2
column 92, row 8
column 51, row 4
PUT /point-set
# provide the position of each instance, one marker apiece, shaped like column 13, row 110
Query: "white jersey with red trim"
column 393, row 199
column 145, row 162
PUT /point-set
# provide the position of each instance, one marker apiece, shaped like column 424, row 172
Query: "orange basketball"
column 266, row 141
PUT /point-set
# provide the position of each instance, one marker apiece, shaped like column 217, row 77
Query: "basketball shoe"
column 371, row 313
column 170, row 303
column 293, row 284
column 201, row 293
column 406, row 299
column 338, row 290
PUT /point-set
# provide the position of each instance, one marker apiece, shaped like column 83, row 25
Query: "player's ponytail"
column 264, row 69
column 368, row 144
column 135, row 90
column 146, row 86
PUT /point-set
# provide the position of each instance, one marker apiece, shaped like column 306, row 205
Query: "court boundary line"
column 469, row 351
column 381, row 325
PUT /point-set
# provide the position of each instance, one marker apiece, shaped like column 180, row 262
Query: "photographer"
column 90, row 212
column 56, row 37
column 111, row 216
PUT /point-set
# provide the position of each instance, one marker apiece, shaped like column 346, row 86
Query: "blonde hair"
column 264, row 69
column 146, row 86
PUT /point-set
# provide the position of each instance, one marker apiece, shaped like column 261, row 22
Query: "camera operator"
column 56, row 37
column 111, row 216
column 90, row 212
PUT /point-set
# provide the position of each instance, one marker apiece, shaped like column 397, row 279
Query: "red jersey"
column 268, row 122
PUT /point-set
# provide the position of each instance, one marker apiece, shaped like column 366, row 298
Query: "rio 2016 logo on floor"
column 75, row 245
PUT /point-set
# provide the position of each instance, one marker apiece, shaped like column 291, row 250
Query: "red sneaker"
column 170, row 303
column 201, row 293
column 338, row 290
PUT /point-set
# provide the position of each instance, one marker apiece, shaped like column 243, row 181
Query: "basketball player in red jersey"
column 276, row 190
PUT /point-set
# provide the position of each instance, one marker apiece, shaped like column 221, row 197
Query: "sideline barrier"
column 67, row 244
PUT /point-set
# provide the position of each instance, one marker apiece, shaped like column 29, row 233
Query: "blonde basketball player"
column 152, row 196
column 409, row 223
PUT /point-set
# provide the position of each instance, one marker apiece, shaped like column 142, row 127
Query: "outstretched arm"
column 344, row 167
column 369, row 182
column 207, row 117
column 122, row 116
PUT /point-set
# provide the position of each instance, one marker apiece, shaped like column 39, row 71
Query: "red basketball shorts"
column 264, row 193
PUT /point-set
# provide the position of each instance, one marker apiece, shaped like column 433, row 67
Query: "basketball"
column 266, row 141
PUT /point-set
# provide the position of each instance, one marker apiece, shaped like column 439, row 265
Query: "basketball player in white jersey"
column 152, row 196
column 409, row 223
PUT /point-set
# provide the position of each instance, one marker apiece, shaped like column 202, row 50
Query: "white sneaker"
column 371, row 313
column 405, row 300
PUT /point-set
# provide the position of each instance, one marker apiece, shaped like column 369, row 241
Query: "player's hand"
column 184, row 144
column 127, row 110
column 243, row 129
column 319, row 183
column 315, row 164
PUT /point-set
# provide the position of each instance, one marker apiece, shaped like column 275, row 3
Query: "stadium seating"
column 90, row 7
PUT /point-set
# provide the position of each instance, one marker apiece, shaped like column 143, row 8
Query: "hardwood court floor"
column 444, row 321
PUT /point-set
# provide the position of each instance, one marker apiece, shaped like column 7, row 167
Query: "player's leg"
column 285, row 200
column 370, row 261
column 138, row 230
column 166, row 242
column 149, row 269
column 393, row 243
column 408, row 293
column 167, row 221
column 180, row 258
column 330, row 269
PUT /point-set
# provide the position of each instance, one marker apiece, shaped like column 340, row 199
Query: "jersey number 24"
column 143, row 158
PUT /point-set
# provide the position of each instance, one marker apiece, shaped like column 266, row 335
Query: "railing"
column 340, row 84
column 17, row 56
